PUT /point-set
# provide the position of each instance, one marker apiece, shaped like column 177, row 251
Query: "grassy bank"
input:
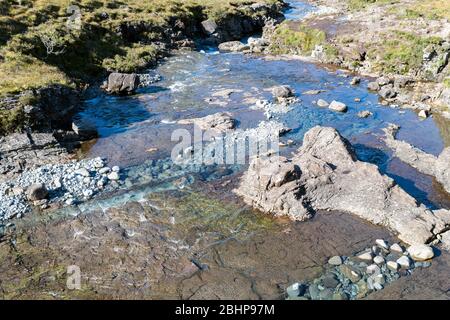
column 72, row 42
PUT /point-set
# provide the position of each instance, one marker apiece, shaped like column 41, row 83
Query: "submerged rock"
column 282, row 92
column 325, row 175
column 221, row 121
column 322, row 103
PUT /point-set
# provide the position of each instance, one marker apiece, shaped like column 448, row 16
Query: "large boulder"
column 325, row 175
column 122, row 83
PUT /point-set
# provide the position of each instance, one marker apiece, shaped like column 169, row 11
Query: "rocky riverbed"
column 154, row 228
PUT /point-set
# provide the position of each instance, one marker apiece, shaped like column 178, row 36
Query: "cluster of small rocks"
column 68, row 184
column 350, row 278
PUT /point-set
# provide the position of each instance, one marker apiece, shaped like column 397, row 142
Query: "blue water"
column 298, row 10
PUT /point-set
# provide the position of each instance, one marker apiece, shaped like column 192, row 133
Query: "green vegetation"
column 360, row 4
column 447, row 82
column 11, row 120
column 401, row 52
column 430, row 10
column 37, row 48
column 299, row 39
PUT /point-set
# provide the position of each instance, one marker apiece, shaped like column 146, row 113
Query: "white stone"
column 337, row 106
column 396, row 248
column 366, row 256
column 423, row 114
column 373, row 269
column 82, row 172
column 113, row 176
column 335, row 261
column 421, row 252
column 322, row 103
column 392, row 265
column 404, row 262
column 382, row 244
column 104, row 170
column 378, row 260
column 115, row 169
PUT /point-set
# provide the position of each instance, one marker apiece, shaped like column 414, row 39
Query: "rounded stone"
column 382, row 244
column 421, row 252
column 113, row 176
column 335, row 261
column 404, row 262
column 378, row 260
column 396, row 248
column 37, row 192
column 337, row 106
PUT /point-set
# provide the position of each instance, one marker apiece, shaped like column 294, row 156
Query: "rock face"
column 122, row 83
column 438, row 167
column 221, row 121
column 325, row 175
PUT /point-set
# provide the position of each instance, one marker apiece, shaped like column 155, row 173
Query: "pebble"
column 392, row 265
column 116, row 169
column 378, row 260
column 421, row 252
column 335, row 261
column 104, row 170
column 382, row 244
column 337, row 106
column 366, row 256
column 404, row 262
column 322, row 103
column 113, row 176
column 373, row 269
column 396, row 248
column 423, row 114
column 82, row 172
column 293, row 290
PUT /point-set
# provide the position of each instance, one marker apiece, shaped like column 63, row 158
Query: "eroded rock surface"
column 438, row 167
column 221, row 121
column 325, row 175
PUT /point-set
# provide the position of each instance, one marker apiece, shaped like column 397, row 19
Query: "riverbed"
column 175, row 232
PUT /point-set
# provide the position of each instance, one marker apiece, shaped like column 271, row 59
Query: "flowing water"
column 177, row 232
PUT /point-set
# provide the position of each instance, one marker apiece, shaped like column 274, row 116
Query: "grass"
column 299, row 39
column 430, row 10
column 98, row 46
column 401, row 53
column 361, row 4
column 11, row 120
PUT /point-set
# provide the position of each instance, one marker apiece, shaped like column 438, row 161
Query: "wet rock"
column 392, row 265
column 282, row 92
column 364, row 114
column 335, row 261
column 340, row 296
column 330, row 281
column 396, row 248
column 220, row 122
column 82, row 172
column 373, row 269
column 366, row 256
column 424, row 162
column 114, row 176
column 421, row 252
column 387, row 92
column 122, row 83
column 373, row 86
column 423, row 114
column 350, row 273
column 382, row 244
column 378, row 260
column 337, row 106
column 295, row 290
column 363, row 289
column 326, row 294
column 233, row 46
column 322, row 103
column 314, row 292
column 37, row 192
column 404, row 262
column 324, row 165
column 355, row 81
column 312, row 92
